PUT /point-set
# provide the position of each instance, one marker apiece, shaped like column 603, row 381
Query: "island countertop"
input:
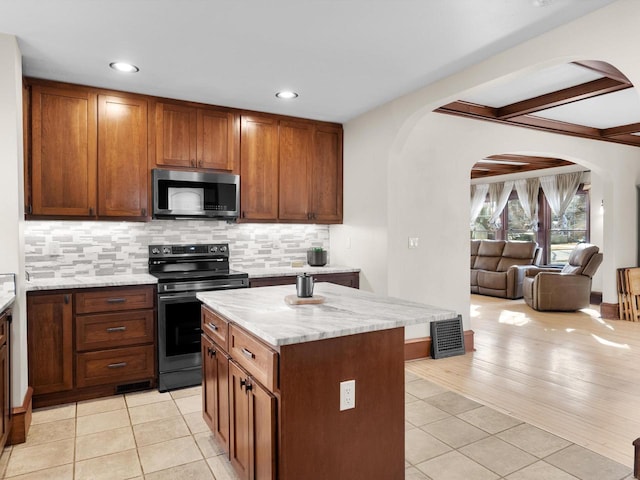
column 345, row 311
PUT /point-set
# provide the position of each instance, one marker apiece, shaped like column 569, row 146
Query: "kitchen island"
column 273, row 374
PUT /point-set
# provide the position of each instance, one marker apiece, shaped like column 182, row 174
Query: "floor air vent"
column 447, row 338
column 132, row 387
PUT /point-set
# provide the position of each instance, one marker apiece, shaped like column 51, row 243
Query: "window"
column 564, row 233
column 481, row 229
column 557, row 236
column 517, row 225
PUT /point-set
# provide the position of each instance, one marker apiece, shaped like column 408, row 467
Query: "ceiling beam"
column 621, row 130
column 561, row 97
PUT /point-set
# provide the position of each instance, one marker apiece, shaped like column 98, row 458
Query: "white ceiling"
column 343, row 57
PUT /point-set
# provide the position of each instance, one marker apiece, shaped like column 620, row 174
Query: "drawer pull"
column 248, row 353
column 116, row 329
column 117, row 365
column 116, row 300
column 212, row 326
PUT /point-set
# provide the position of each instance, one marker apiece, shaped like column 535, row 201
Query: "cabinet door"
column 5, row 407
column 63, row 163
column 215, row 390
column 122, row 156
column 259, row 168
column 175, row 135
column 262, row 432
column 252, row 426
column 239, row 446
column 295, row 143
column 326, row 175
column 50, row 342
column 217, row 140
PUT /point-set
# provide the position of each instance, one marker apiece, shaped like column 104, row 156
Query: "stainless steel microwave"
column 199, row 195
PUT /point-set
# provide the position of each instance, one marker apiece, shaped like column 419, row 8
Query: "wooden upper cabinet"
column 122, row 156
column 295, row 171
column 259, row 168
column 193, row 137
column 218, row 140
column 175, row 135
column 63, row 162
column 326, row 175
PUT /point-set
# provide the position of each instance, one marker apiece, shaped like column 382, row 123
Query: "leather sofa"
column 498, row 266
column 563, row 290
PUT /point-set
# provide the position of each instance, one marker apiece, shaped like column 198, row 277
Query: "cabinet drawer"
column 114, row 299
column 114, row 366
column 216, row 327
column 259, row 360
column 114, row 330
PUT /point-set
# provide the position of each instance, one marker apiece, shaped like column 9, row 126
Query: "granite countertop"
column 89, row 281
column 291, row 271
column 346, row 311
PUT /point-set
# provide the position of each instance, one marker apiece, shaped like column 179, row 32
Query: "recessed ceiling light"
column 286, row 94
column 124, row 67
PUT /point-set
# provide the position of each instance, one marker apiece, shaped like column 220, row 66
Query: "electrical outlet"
column 347, row 395
column 413, row 242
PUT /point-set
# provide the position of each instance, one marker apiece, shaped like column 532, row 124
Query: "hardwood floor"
column 572, row 374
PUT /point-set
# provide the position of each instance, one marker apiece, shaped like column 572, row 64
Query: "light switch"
column 413, row 242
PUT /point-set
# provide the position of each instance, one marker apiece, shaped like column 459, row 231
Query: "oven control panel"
column 210, row 249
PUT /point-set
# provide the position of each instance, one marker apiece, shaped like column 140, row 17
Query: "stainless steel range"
column 182, row 271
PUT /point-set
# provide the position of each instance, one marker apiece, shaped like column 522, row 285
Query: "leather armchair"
column 569, row 289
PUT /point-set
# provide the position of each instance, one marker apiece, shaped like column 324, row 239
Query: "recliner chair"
column 569, row 289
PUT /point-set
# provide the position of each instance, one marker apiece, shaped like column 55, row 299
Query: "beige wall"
column 424, row 159
column 12, row 209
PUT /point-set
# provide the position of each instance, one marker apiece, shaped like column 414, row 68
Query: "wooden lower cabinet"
column 252, row 414
column 5, row 377
column 88, row 343
column 50, row 341
column 215, row 391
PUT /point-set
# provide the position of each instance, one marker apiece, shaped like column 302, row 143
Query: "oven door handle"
column 177, row 296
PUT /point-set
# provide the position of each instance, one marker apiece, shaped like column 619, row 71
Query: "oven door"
column 179, row 357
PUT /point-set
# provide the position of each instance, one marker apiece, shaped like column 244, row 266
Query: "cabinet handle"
column 211, row 352
column 248, row 353
column 144, row 212
column 91, row 211
column 116, row 300
column 117, row 365
column 29, row 209
column 212, row 326
column 66, row 299
column 116, row 329
column 245, row 383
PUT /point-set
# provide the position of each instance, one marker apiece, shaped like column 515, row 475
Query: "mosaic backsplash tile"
column 69, row 248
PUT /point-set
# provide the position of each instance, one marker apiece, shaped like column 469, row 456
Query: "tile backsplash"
column 69, row 248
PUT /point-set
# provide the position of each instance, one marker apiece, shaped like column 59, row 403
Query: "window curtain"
column 559, row 190
column 528, row 190
column 478, row 197
column 498, row 198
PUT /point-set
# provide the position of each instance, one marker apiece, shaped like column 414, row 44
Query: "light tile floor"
column 161, row 436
